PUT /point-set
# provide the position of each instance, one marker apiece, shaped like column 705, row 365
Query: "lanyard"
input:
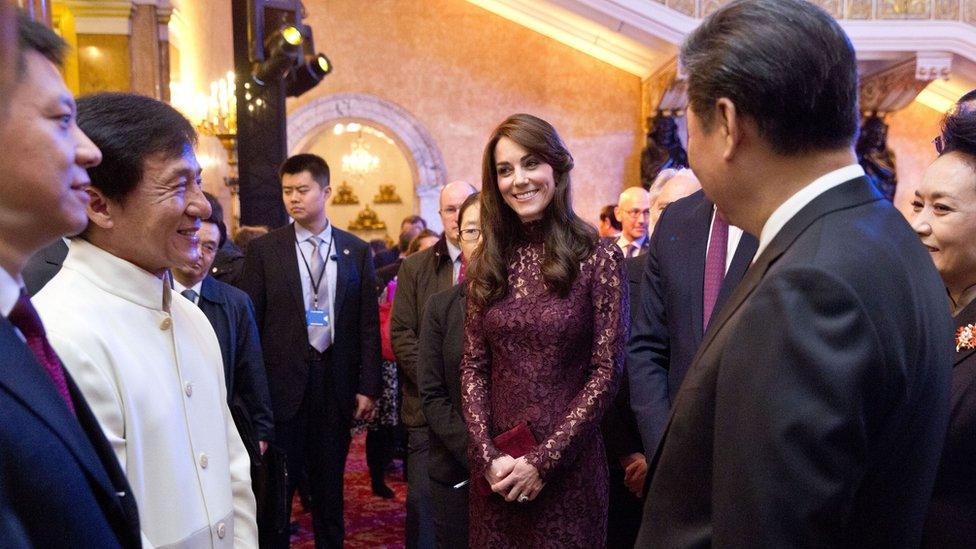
column 316, row 284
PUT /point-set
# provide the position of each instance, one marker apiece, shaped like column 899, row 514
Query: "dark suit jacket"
column 231, row 314
column 272, row 279
column 228, row 265
column 814, row 413
column 43, row 265
column 951, row 520
column 421, row 275
column 441, row 347
column 60, row 479
column 386, row 257
column 667, row 320
column 621, row 434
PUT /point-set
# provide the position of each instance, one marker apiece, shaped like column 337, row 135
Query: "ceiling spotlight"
column 281, row 53
column 308, row 75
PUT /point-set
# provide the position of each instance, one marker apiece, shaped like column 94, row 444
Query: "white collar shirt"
column 455, row 253
column 197, row 288
column 787, row 210
column 9, row 292
column 303, row 254
column 624, row 244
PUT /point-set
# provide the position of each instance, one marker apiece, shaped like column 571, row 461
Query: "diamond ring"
column 523, row 498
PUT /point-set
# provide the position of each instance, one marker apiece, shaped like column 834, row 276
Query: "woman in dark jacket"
column 441, row 347
column 945, row 220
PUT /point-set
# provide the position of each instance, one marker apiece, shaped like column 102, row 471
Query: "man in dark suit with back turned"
column 60, row 482
column 673, row 309
column 314, row 294
column 814, row 411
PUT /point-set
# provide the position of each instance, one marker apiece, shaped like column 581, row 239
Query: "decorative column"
column 144, row 49
column 163, row 13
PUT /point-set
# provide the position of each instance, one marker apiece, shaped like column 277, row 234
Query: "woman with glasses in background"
column 439, row 378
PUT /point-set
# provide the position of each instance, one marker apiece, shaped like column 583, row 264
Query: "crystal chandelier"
column 359, row 162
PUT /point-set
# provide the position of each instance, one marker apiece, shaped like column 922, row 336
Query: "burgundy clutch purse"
column 515, row 442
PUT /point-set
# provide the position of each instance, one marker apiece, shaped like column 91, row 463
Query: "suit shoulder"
column 266, row 241
column 230, row 293
column 349, row 239
column 414, row 261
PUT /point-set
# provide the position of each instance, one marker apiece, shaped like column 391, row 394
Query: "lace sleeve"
column 475, row 385
column 611, row 319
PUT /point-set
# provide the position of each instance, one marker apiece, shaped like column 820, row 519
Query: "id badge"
column 316, row 318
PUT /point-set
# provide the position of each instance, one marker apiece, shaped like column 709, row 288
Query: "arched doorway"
column 313, row 128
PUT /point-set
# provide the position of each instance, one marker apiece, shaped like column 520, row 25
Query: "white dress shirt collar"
column 198, row 287
column 302, row 234
column 9, row 292
column 118, row 276
column 787, row 210
column 452, row 251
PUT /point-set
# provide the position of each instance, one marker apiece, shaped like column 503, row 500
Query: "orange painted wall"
column 460, row 70
column 910, row 135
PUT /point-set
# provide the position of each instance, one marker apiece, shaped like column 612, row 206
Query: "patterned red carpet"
column 371, row 522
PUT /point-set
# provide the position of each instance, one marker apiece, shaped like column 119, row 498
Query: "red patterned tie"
column 25, row 318
column 715, row 265
column 462, row 269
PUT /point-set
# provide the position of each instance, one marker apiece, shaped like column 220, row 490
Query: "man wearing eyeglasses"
column 633, row 211
column 422, row 275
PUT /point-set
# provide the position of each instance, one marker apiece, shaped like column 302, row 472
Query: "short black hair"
column 216, row 217
column 130, row 128
column 33, row 36
column 786, row 64
column 311, row 163
column 607, row 213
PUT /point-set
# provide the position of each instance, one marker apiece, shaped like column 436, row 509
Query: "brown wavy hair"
column 568, row 239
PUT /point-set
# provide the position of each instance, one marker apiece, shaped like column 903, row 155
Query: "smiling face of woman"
column 525, row 181
column 945, row 219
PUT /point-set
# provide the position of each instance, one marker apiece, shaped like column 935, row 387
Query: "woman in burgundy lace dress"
column 544, row 338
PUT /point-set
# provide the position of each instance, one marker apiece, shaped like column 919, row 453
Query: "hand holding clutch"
column 522, row 484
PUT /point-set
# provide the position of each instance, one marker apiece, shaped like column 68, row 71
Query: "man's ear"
column 100, row 208
column 327, row 192
column 729, row 122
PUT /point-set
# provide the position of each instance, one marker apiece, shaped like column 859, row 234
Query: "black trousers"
column 380, row 442
column 317, row 440
column 624, row 514
column 449, row 507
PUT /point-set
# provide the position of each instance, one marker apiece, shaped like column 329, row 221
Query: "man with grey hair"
column 678, row 185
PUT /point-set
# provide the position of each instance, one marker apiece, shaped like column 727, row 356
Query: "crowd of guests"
column 758, row 352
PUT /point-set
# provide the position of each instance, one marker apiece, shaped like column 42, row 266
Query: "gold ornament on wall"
column 344, row 195
column 367, row 220
column 387, row 195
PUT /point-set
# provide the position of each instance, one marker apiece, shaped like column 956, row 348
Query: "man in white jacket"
column 147, row 361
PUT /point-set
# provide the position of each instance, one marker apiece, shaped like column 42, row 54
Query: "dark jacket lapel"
column 744, row 253
column 696, row 249
column 285, row 249
column 26, row 379
column 210, row 291
column 965, row 317
column 846, row 195
column 345, row 266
